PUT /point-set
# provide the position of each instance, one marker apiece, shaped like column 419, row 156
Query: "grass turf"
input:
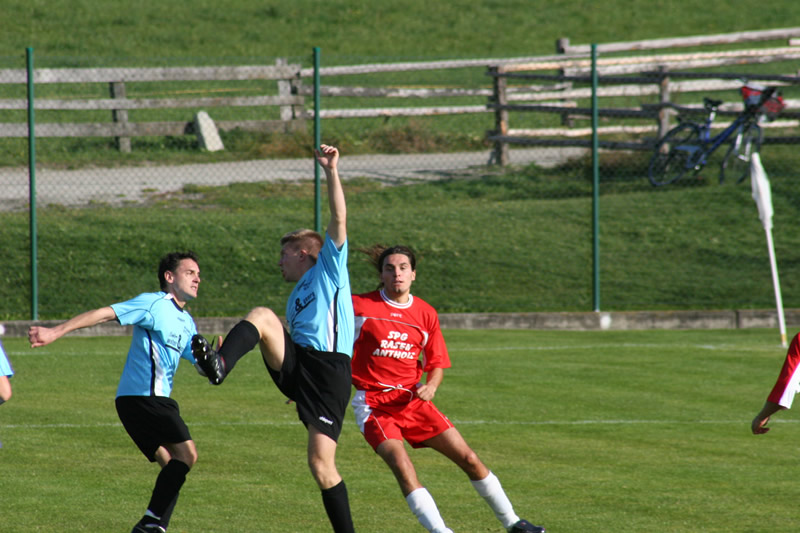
column 639, row 431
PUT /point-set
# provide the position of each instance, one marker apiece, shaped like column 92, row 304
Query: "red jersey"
column 788, row 384
column 395, row 343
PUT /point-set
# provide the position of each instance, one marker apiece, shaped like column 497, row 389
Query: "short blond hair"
column 305, row 239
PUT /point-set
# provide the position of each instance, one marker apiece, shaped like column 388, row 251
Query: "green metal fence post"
column 317, row 141
column 32, row 188
column 595, row 189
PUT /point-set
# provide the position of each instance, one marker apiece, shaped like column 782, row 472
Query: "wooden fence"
column 660, row 76
column 118, row 104
column 626, row 77
column 553, row 84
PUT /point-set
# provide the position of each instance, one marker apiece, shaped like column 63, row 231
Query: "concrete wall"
column 617, row 321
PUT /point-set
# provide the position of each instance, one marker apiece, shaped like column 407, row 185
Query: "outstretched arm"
column 328, row 157
column 40, row 336
column 758, row 425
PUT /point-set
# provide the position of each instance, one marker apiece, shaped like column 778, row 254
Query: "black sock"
column 165, row 518
column 168, row 484
column 337, row 505
column 240, row 340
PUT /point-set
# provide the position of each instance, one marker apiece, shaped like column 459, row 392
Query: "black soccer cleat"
column 208, row 359
column 523, row 526
column 143, row 527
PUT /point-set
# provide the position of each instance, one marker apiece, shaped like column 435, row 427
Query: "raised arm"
column 328, row 157
column 40, row 336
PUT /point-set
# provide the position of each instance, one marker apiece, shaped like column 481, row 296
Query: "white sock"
column 489, row 488
column 424, row 508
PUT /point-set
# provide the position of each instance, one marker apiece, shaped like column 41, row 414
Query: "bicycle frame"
column 698, row 155
column 686, row 148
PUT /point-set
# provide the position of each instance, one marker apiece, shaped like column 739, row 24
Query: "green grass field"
column 636, row 431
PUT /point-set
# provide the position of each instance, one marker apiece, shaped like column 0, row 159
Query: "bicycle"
column 687, row 147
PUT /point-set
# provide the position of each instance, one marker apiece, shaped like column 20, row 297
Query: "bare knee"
column 185, row 452
column 5, row 389
column 473, row 466
column 324, row 471
column 393, row 453
column 264, row 319
column 190, row 457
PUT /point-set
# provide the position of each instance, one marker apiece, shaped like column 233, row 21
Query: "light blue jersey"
column 162, row 334
column 320, row 308
column 5, row 364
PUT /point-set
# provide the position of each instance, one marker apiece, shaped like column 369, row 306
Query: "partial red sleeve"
column 788, row 383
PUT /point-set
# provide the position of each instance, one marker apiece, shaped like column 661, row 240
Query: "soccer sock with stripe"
column 490, row 489
column 240, row 340
column 424, row 508
column 165, row 518
column 168, row 484
column 337, row 505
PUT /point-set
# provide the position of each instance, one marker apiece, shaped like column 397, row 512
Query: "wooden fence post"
column 663, row 94
column 117, row 90
column 561, row 48
column 500, row 155
column 284, row 89
column 298, row 111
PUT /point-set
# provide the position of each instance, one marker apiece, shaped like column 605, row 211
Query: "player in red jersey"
column 782, row 394
column 397, row 340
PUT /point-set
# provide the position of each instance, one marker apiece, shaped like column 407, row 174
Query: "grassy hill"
column 514, row 241
column 207, row 31
column 511, row 242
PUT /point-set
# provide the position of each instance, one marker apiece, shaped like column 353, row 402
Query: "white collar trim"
column 396, row 304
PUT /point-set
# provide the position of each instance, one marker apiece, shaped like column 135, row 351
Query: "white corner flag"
column 762, row 194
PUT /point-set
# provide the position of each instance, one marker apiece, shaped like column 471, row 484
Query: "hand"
column 425, row 392
column 758, row 425
column 40, row 336
column 328, row 156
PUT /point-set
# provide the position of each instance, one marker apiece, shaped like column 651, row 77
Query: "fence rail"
column 290, row 105
column 563, row 46
column 552, row 90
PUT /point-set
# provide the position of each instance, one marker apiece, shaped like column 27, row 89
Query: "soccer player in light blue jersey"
column 162, row 333
column 311, row 366
column 5, row 373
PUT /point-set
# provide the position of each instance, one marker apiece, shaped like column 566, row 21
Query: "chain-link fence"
column 130, row 139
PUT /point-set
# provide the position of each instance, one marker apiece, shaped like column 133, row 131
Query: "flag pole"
column 777, row 284
column 762, row 194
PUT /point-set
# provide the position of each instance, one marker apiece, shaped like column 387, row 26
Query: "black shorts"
column 152, row 421
column 319, row 383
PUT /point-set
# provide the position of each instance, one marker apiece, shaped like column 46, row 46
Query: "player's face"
column 397, row 276
column 185, row 280
column 291, row 262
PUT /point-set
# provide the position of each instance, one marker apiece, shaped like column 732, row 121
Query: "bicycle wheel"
column 736, row 164
column 677, row 153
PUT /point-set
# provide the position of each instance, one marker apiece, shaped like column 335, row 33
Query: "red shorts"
column 397, row 414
